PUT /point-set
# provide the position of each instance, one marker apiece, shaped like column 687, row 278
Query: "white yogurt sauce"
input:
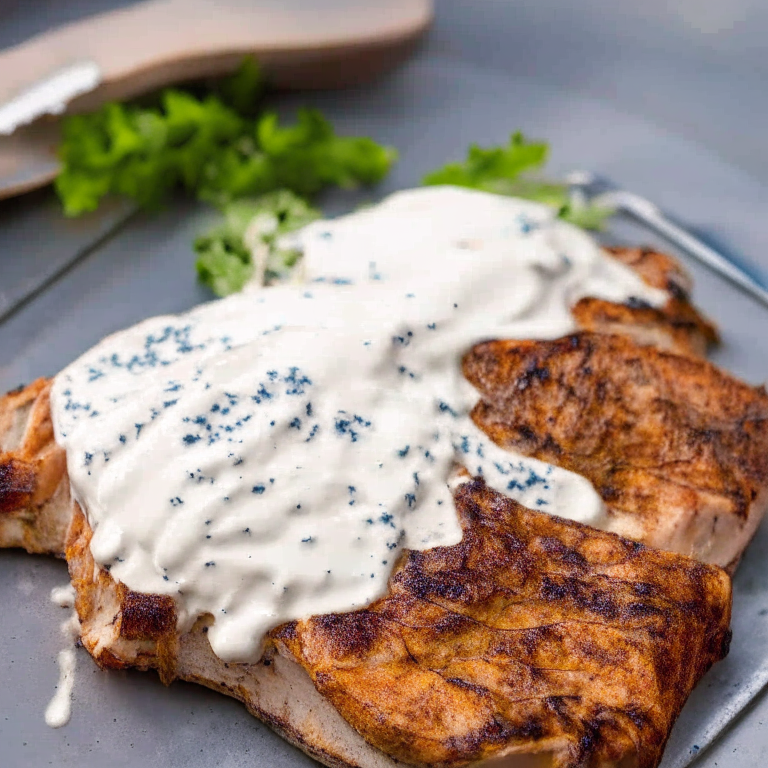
column 266, row 457
column 59, row 709
column 63, row 596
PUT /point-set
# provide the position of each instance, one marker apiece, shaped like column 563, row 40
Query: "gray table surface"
column 693, row 69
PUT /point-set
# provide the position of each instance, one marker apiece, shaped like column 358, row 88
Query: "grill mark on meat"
column 146, row 616
column 538, row 589
column 662, row 438
column 354, row 634
column 17, row 484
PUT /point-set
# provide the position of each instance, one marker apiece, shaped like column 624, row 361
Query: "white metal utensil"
column 587, row 186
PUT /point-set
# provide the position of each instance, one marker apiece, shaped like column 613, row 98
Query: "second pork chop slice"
column 677, row 449
column 534, row 636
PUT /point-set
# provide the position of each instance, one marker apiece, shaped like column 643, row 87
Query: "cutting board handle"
column 150, row 44
column 308, row 44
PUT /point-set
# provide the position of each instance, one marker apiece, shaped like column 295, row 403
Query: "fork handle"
column 708, row 256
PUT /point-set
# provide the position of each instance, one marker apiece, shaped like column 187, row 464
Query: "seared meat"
column 534, row 635
column 678, row 326
column 677, row 448
column 536, row 640
column 35, row 508
column 659, row 270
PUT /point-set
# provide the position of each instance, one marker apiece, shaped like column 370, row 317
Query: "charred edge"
column 637, row 717
column 589, row 741
column 17, row 485
column 349, row 634
column 586, row 597
column 677, row 291
column 286, row 632
column 725, row 644
column 465, row 685
column 494, row 733
column 147, row 617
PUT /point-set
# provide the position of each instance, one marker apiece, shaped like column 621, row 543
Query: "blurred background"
column 695, row 67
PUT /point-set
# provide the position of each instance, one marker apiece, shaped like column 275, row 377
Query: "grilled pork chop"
column 35, row 506
column 677, row 448
column 533, row 636
column 34, row 502
column 677, row 326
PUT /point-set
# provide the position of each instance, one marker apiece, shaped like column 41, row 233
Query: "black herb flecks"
column 350, row 425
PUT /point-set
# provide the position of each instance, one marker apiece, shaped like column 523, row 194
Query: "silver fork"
column 587, row 187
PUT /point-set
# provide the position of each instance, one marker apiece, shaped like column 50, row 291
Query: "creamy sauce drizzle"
column 267, row 456
column 59, row 709
column 63, row 596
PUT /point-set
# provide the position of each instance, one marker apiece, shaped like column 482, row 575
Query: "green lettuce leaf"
column 141, row 152
column 305, row 158
column 243, row 90
column 511, row 170
column 209, row 145
column 485, row 167
column 225, row 262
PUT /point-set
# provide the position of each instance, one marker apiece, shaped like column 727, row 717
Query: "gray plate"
column 430, row 111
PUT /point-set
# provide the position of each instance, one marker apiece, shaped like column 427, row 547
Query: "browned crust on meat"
column 677, row 448
column 534, row 635
column 34, row 493
column 147, row 616
column 659, row 270
column 676, row 327
column 142, row 627
column 17, row 485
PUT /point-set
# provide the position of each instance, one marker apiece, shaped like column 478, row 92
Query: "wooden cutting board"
column 309, row 44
